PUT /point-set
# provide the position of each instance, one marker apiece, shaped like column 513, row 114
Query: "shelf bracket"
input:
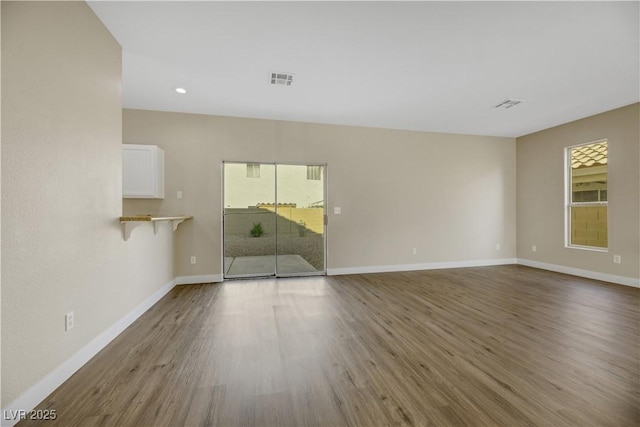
column 131, row 222
column 176, row 222
column 129, row 226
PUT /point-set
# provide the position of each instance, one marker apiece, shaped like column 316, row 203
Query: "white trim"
column 414, row 267
column 620, row 280
column 587, row 248
column 568, row 197
column 39, row 391
column 193, row 280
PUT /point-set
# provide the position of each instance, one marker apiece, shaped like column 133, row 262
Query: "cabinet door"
column 143, row 172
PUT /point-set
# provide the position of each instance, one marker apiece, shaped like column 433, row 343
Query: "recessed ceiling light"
column 181, row 90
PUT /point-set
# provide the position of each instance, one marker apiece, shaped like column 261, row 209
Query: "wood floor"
column 504, row 346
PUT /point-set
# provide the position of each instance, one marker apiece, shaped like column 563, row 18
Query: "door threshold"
column 291, row 276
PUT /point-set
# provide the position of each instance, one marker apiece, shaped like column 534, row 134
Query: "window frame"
column 568, row 198
column 253, row 170
column 314, row 172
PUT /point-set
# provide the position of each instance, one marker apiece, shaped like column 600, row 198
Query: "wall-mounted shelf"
column 130, row 222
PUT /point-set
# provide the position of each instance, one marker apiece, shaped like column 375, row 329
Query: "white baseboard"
column 205, row 278
column 620, row 280
column 416, row 267
column 39, row 391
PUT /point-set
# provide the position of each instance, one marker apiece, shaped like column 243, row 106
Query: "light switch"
column 337, row 210
column 178, row 194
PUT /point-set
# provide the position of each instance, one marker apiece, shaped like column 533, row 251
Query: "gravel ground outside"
column 310, row 247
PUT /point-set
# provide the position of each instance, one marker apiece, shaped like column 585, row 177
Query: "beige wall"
column 540, row 193
column 62, row 246
column 453, row 195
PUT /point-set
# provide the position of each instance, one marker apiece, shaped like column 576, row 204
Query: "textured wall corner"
column 62, row 243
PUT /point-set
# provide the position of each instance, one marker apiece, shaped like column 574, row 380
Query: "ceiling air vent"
column 285, row 79
column 508, row 103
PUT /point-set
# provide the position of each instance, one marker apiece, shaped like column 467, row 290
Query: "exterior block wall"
column 589, row 226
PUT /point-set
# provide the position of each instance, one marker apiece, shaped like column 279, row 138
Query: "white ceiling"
column 433, row 66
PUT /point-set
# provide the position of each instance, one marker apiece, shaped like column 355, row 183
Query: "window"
column 587, row 195
column 253, row 170
column 314, row 173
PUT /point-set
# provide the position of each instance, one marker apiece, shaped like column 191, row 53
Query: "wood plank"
column 505, row 345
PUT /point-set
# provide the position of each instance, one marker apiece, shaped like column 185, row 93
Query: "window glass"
column 253, row 170
column 588, row 195
column 314, row 173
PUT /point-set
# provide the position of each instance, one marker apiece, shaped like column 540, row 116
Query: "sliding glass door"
column 274, row 220
column 300, row 219
column 249, row 229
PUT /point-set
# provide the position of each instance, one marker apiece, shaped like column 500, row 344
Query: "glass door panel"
column 249, row 239
column 300, row 243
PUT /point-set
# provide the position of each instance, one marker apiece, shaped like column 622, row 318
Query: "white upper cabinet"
column 143, row 172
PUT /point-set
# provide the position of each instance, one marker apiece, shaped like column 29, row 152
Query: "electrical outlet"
column 68, row 321
column 533, row 248
column 193, row 260
column 337, row 210
column 497, row 246
column 617, row 259
column 178, row 194
column 415, row 251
